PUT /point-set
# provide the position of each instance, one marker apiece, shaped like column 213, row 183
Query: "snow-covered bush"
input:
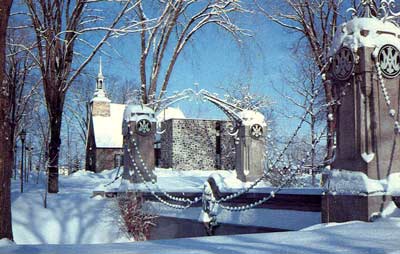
column 136, row 223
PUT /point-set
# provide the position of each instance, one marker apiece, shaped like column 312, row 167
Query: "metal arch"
column 185, row 94
column 229, row 109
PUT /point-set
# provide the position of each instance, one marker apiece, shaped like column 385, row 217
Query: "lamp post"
column 29, row 148
column 22, row 136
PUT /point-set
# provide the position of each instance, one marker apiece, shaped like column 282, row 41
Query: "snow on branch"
column 177, row 23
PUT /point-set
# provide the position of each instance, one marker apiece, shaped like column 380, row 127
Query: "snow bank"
column 272, row 218
column 394, row 184
column 356, row 238
column 172, row 180
column 365, row 32
column 391, row 211
column 71, row 216
column 230, row 182
column 5, row 242
column 357, row 183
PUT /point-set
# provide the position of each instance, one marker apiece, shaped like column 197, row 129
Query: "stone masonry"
column 195, row 144
column 100, row 108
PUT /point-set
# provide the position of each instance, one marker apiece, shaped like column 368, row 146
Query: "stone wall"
column 105, row 158
column 228, row 151
column 190, row 144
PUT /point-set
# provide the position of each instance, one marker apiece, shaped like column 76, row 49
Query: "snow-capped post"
column 138, row 129
column 210, row 206
column 365, row 72
column 250, row 146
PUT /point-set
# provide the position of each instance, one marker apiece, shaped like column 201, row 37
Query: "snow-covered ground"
column 193, row 181
column 180, row 181
column 71, row 216
column 269, row 218
column 381, row 236
column 74, row 221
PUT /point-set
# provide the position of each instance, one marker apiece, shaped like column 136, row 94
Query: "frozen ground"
column 74, row 222
column 270, row 218
column 71, row 216
column 193, row 181
column 355, row 237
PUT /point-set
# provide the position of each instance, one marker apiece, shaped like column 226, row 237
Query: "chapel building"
column 104, row 148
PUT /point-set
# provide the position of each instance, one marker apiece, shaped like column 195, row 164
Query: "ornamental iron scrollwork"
column 256, row 131
column 143, row 126
column 389, row 61
column 343, row 64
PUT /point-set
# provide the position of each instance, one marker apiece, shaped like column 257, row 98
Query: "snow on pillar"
column 364, row 71
column 250, row 146
column 139, row 127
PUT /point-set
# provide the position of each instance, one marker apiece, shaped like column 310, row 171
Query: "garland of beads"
column 279, row 188
column 234, row 195
column 153, row 181
column 291, row 140
column 391, row 111
column 231, row 196
column 153, row 193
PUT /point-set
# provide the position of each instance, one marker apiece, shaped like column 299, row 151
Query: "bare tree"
column 77, row 105
column 122, row 91
column 315, row 21
column 178, row 22
column 6, row 159
column 59, row 26
column 40, row 132
column 303, row 91
column 246, row 96
column 23, row 83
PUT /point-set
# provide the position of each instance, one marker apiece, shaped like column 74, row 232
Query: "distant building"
column 186, row 144
column 104, row 148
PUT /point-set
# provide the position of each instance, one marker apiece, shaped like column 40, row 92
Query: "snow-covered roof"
column 134, row 112
column 251, row 117
column 365, row 32
column 100, row 95
column 169, row 113
column 108, row 129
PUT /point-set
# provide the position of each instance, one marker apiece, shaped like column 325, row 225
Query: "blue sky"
column 214, row 59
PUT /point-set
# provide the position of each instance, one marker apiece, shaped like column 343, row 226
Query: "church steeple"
column 100, row 91
column 100, row 78
column 100, row 102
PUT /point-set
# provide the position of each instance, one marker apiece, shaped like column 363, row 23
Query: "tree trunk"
column 54, row 145
column 5, row 138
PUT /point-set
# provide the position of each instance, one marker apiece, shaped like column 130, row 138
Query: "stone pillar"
column 139, row 128
column 367, row 141
column 250, row 147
